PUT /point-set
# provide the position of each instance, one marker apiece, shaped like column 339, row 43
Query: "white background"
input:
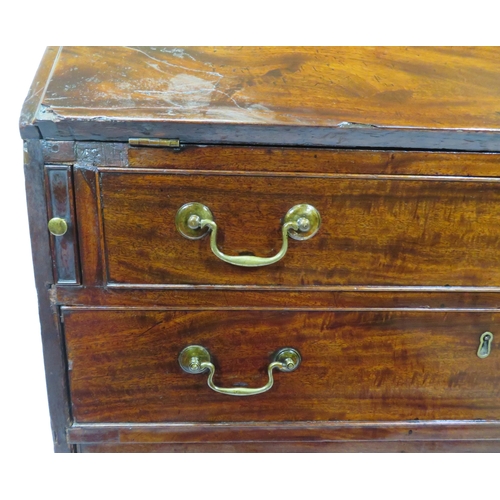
column 30, row 468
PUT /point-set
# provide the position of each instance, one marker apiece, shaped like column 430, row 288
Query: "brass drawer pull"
column 194, row 220
column 485, row 345
column 196, row 359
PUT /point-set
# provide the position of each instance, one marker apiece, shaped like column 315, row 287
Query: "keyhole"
column 485, row 345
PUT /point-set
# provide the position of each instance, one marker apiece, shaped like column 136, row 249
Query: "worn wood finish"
column 36, row 94
column 356, row 365
column 274, row 432
column 272, row 159
column 438, row 231
column 249, row 298
column 52, row 339
column 377, row 86
column 315, row 161
column 58, row 151
column 60, row 198
column 350, row 136
column 397, row 147
column 340, row 447
column 350, row 96
column 101, row 153
column 89, row 228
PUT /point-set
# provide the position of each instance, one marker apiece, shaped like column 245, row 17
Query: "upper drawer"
column 381, row 230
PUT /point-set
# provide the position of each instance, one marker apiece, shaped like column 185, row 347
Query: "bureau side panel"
column 52, row 338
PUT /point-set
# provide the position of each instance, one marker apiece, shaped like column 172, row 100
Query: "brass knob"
column 57, row 226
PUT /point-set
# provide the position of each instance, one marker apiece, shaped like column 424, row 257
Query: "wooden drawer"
column 388, row 303
column 375, row 230
column 356, row 366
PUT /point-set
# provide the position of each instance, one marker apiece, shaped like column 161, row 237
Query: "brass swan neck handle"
column 248, row 260
column 196, row 359
column 194, row 220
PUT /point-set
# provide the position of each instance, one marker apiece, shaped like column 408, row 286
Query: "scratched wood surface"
column 386, row 303
column 374, row 231
column 280, row 94
column 363, row 366
column 393, row 86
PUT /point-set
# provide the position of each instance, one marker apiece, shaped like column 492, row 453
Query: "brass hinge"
column 157, row 143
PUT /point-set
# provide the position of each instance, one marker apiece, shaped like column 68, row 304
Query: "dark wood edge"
column 72, row 220
column 58, row 151
column 97, row 129
column 117, row 154
column 49, row 216
column 88, row 226
column 299, row 175
column 72, row 208
column 52, row 335
column 102, row 239
column 27, row 125
column 318, row 432
column 192, row 298
column 300, row 447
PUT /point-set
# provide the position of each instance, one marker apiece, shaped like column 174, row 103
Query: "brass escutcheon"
column 485, row 345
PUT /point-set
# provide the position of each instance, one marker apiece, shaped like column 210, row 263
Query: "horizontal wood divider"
column 299, row 175
column 216, row 298
column 285, row 432
column 302, row 447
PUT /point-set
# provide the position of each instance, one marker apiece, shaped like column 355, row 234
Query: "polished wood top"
column 364, row 90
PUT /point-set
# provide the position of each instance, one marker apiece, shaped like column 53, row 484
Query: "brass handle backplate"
column 196, row 359
column 194, row 221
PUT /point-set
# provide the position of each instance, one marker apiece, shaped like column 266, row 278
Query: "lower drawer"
column 356, row 366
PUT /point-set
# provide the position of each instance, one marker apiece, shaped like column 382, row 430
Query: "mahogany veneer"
column 397, row 148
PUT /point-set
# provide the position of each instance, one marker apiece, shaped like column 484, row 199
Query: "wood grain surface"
column 60, row 199
column 397, row 147
column 51, row 331
column 310, row 160
column 409, row 231
column 425, row 87
column 339, row 447
column 36, row 94
column 319, row 298
column 418, row 97
column 281, row 432
column 367, row 366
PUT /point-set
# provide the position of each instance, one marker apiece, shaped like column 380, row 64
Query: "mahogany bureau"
column 267, row 249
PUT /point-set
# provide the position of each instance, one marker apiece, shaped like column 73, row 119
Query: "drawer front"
column 356, row 366
column 375, row 230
